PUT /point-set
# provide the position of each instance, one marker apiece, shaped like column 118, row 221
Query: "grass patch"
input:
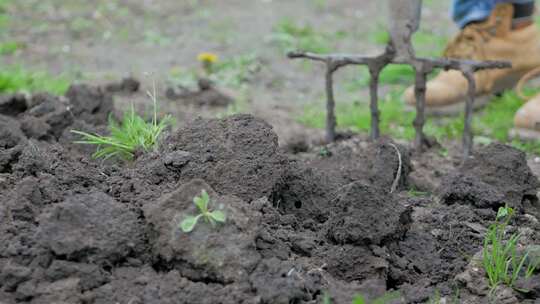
column 17, row 79
column 391, row 74
column 9, row 47
column 429, row 44
column 386, row 298
column 426, row 43
column 128, row 136
column 289, row 36
column 493, row 123
column 232, row 72
column 380, row 35
column 356, row 116
column 502, row 263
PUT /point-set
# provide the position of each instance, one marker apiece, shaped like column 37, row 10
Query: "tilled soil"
column 337, row 219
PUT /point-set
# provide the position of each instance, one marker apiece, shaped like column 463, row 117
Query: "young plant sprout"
column 500, row 259
column 212, row 217
column 129, row 135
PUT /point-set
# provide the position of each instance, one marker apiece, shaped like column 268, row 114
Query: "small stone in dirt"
column 176, row 159
column 366, row 215
column 90, row 227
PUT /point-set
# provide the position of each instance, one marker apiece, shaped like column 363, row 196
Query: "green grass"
column 289, row 35
column 17, row 79
column 426, row 43
column 9, row 47
column 234, row 72
column 429, row 44
column 360, row 299
column 356, row 116
column 502, row 263
column 386, row 298
column 128, row 136
column 392, row 74
column 380, row 35
column 492, row 123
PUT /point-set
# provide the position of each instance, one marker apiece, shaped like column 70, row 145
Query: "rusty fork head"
column 404, row 21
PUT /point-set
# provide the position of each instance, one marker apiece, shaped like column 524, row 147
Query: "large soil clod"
column 237, row 155
column 497, row 175
column 224, row 253
column 90, row 228
column 364, row 215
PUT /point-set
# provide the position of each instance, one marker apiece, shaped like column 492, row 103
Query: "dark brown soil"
column 327, row 220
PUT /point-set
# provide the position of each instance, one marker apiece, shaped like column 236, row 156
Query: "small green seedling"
column 386, row 298
column 500, row 258
column 211, row 217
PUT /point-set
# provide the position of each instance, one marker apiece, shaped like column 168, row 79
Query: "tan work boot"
column 493, row 39
column 527, row 118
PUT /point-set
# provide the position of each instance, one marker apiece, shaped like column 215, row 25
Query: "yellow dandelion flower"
column 207, row 58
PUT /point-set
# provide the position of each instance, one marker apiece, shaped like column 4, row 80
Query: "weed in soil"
column 133, row 133
column 212, row 217
column 386, row 298
column 500, row 259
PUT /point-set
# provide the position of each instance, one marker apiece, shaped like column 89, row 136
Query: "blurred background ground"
column 47, row 44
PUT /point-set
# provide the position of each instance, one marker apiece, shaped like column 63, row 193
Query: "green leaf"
column 202, row 201
column 359, row 300
column 218, row 216
column 205, row 197
column 189, row 223
column 503, row 211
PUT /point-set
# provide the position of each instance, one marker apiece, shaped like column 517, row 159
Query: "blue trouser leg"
column 466, row 11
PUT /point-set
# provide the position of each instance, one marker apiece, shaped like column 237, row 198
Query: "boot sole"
column 479, row 102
